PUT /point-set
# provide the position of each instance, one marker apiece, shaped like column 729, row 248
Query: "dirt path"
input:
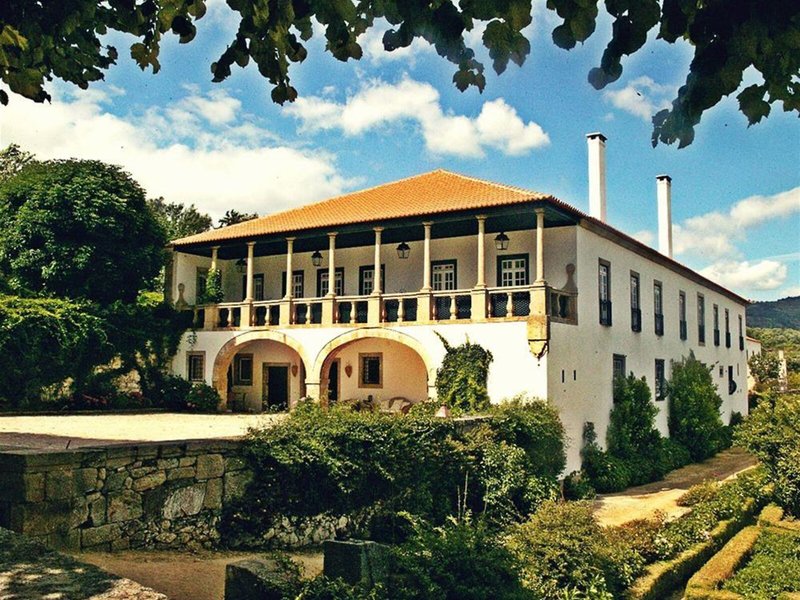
column 645, row 500
column 184, row 575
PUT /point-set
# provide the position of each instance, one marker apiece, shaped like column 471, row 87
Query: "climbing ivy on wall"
column 461, row 380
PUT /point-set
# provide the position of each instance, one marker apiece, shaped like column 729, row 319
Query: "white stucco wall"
column 586, row 351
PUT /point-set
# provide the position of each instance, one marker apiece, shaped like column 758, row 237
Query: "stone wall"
column 150, row 495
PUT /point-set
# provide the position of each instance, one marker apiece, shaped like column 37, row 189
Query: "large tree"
column 44, row 40
column 177, row 220
column 78, row 229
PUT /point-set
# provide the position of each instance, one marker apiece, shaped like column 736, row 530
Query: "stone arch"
column 327, row 353
column 219, row 377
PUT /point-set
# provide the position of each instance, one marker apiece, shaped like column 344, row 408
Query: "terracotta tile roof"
column 439, row 191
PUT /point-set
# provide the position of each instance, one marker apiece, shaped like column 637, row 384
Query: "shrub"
column 578, row 487
column 694, row 419
column 772, row 433
column 605, row 472
column 202, row 398
column 214, row 291
column 341, row 462
column 461, row 380
column 167, row 391
column 44, row 341
column 701, row 492
column 673, row 455
column 460, row 559
column 631, row 429
column 562, row 550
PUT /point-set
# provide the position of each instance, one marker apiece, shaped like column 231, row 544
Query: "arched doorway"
column 390, row 367
column 260, row 371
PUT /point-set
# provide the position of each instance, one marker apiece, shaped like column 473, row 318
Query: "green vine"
column 461, row 380
column 214, row 292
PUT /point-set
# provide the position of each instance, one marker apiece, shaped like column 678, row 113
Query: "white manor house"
column 561, row 299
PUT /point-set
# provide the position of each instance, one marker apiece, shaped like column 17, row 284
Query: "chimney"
column 597, row 175
column 664, row 186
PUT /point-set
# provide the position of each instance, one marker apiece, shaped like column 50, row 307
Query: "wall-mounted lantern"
column 403, row 250
column 316, row 258
column 501, row 241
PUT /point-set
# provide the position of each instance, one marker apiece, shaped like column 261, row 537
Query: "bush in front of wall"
column 340, row 462
column 772, row 433
column 461, row 380
column 694, row 418
column 214, row 291
column 202, row 398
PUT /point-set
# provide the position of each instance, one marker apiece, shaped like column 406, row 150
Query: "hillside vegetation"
column 784, row 313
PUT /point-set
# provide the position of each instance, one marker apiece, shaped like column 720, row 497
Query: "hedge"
column 663, row 578
column 705, row 584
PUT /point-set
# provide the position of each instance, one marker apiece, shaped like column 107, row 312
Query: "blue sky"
column 736, row 190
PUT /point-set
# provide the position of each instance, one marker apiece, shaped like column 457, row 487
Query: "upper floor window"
column 636, row 305
column 701, row 318
column 443, row 275
column 512, row 270
column 323, row 285
column 716, row 324
column 200, row 281
column 258, row 286
column 604, row 291
column 682, row 314
column 196, row 364
column 727, row 328
column 366, row 279
column 658, row 307
column 741, row 333
column 298, row 284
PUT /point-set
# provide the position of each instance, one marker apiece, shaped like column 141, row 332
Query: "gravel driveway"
column 61, row 431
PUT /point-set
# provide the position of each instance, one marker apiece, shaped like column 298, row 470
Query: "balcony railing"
column 741, row 342
column 716, row 337
column 605, row 312
column 448, row 305
column 701, row 334
column 727, row 339
column 636, row 319
column 659, row 322
column 683, row 330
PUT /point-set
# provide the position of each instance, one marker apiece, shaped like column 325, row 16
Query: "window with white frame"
column 512, row 270
column 661, row 379
column 366, row 279
column 338, row 282
column 443, row 275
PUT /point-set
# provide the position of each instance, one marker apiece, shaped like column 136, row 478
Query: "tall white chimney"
column 597, row 175
column 664, row 187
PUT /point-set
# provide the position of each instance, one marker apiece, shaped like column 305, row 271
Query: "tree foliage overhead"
column 77, row 229
column 45, row 40
column 177, row 220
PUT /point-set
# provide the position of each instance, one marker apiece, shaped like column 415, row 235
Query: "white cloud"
column 371, row 42
column 645, row 236
column 713, row 235
column 642, row 97
column 200, row 151
column 756, row 275
column 379, row 103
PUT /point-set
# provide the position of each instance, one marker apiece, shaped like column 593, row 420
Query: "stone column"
column 248, row 297
column 478, row 300
column 286, row 303
column 424, row 301
column 246, row 317
column 214, row 251
column 329, row 302
column 374, row 302
column 540, row 247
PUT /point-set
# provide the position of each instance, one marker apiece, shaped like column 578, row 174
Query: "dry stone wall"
column 154, row 496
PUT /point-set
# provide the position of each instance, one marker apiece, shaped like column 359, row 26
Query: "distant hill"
column 784, row 313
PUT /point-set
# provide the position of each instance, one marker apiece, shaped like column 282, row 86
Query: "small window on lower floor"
column 661, row 380
column 371, row 370
column 619, row 366
column 243, row 369
column 196, row 366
